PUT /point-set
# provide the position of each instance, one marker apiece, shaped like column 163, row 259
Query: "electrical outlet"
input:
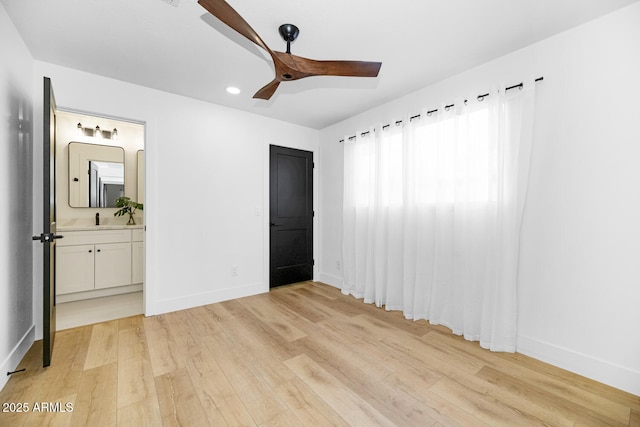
column 234, row 270
column 338, row 265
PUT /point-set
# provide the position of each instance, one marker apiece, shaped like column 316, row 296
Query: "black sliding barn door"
column 291, row 215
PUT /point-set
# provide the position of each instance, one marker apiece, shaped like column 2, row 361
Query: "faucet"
column 97, row 218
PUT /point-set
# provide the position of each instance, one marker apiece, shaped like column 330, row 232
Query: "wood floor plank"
column 178, row 401
column 135, row 381
column 531, row 399
column 217, row 396
column 142, row 413
column 297, row 303
column 280, row 320
column 350, row 406
column 53, row 384
column 185, row 335
column 262, row 355
column 97, row 397
column 250, row 386
column 337, row 357
column 522, row 401
column 583, row 383
column 217, row 313
column 303, row 354
column 363, row 374
column 487, row 409
column 44, row 413
column 130, row 322
column 441, row 410
column 235, row 413
column 559, row 389
column 132, row 342
column 255, row 335
column 103, row 347
column 164, row 351
column 328, row 292
column 336, row 304
column 309, row 408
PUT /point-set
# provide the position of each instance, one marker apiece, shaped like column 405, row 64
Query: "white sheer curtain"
column 432, row 215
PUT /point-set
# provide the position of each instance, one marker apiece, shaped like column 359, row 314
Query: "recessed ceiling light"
column 233, row 90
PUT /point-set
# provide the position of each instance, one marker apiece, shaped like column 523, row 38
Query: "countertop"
column 62, row 228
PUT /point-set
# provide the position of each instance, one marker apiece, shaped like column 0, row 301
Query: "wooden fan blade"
column 225, row 13
column 311, row 67
column 267, row 91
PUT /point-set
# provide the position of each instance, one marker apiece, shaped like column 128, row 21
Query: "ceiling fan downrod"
column 289, row 33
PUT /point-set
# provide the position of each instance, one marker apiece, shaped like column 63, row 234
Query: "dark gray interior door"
column 48, row 236
column 291, row 215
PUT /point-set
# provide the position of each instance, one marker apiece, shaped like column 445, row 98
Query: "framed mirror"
column 96, row 175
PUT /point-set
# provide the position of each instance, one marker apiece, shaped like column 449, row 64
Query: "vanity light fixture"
column 233, row 90
column 97, row 133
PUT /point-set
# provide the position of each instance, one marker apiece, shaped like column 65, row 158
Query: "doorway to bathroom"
column 100, row 180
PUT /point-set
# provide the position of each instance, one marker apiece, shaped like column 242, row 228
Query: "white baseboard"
column 95, row 310
column 196, row 300
column 602, row 371
column 15, row 356
column 332, row 280
column 98, row 293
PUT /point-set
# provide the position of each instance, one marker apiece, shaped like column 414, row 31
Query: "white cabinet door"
column 112, row 265
column 137, row 262
column 74, row 269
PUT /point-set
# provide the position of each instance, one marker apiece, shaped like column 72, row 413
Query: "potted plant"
column 127, row 206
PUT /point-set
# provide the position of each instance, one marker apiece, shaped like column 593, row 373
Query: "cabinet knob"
column 90, row 251
column 97, row 250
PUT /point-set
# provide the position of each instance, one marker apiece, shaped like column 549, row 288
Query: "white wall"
column 206, row 186
column 16, row 247
column 579, row 286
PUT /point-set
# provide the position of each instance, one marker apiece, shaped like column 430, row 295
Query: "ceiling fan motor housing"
column 289, row 32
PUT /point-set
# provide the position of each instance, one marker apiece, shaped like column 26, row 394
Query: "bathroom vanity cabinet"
column 99, row 262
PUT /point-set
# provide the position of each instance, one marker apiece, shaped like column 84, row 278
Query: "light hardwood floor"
column 300, row 355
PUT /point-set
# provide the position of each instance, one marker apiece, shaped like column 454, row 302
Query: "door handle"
column 273, row 224
column 47, row 237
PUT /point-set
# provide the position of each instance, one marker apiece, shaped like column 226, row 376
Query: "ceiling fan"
column 287, row 65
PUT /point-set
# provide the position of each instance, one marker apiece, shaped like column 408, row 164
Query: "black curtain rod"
column 446, row 107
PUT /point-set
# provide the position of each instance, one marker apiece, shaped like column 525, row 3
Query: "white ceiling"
column 185, row 50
